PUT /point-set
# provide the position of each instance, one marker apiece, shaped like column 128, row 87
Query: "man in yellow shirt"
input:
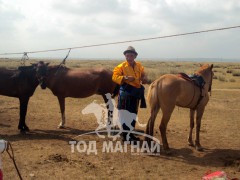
column 130, row 75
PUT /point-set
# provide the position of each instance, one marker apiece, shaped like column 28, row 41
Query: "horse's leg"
column 198, row 122
column 109, row 118
column 23, row 111
column 110, row 112
column 190, row 141
column 167, row 111
column 61, row 101
column 150, row 124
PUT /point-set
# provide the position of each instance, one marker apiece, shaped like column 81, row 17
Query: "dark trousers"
column 129, row 103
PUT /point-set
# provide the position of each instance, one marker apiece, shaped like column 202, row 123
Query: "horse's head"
column 28, row 72
column 41, row 73
column 206, row 72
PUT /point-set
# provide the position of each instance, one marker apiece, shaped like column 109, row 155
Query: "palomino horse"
column 170, row 90
column 76, row 83
column 20, row 83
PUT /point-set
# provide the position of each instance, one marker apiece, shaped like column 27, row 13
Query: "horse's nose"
column 42, row 82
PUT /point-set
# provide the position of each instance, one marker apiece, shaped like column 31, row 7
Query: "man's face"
column 130, row 57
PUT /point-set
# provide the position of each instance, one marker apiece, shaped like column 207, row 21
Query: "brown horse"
column 76, row 83
column 170, row 90
column 20, row 83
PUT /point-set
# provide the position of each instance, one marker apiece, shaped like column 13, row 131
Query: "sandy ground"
column 45, row 153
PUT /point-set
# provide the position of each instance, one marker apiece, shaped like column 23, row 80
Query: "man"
column 130, row 75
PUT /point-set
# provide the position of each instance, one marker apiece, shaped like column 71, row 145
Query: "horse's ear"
column 47, row 64
column 34, row 64
column 211, row 66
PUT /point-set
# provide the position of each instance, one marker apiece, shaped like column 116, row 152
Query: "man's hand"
column 129, row 78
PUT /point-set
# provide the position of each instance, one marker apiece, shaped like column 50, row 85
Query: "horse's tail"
column 153, row 95
column 116, row 90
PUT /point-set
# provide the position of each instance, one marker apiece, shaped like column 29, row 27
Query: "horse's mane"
column 205, row 66
column 58, row 68
column 202, row 68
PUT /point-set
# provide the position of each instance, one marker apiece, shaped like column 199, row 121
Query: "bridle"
column 41, row 76
column 210, row 84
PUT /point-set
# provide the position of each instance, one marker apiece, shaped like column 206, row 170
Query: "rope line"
column 13, row 159
column 127, row 41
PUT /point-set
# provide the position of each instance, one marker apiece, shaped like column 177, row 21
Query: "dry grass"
column 223, row 72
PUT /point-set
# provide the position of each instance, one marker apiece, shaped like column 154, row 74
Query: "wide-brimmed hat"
column 130, row 49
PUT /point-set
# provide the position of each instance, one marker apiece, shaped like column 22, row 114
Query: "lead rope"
column 13, row 159
column 63, row 62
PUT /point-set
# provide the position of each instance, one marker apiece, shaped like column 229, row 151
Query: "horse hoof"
column 199, row 148
column 168, row 152
column 191, row 144
column 61, row 127
column 23, row 131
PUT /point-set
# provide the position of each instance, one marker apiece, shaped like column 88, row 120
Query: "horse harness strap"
column 199, row 99
column 196, row 81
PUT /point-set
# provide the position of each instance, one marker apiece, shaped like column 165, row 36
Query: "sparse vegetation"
column 229, row 71
column 236, row 73
column 232, row 80
column 215, row 77
column 222, row 78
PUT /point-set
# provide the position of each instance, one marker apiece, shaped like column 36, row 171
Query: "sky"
column 28, row 25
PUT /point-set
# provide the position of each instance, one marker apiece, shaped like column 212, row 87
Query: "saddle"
column 196, row 79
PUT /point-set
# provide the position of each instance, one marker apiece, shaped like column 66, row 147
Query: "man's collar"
column 127, row 63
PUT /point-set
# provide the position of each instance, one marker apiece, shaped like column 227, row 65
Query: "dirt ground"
column 45, row 153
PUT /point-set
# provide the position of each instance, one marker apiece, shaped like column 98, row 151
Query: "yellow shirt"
column 125, row 69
